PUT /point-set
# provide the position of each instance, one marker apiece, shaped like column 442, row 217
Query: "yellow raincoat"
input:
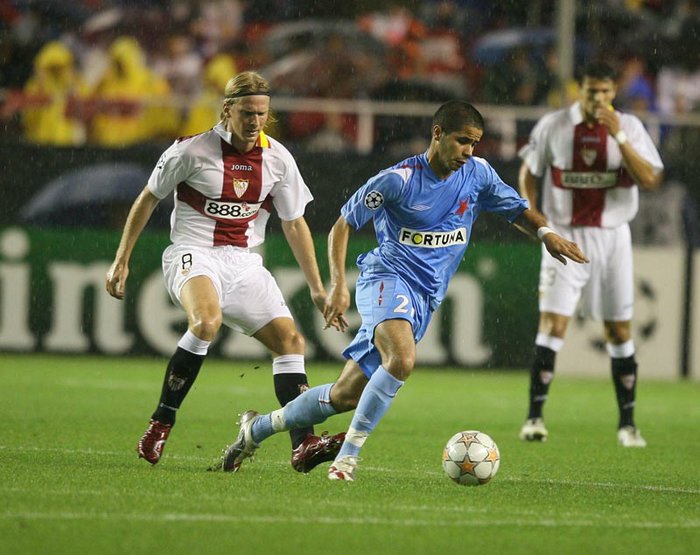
column 132, row 104
column 53, row 99
column 206, row 109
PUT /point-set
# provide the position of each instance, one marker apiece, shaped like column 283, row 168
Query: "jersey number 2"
column 401, row 309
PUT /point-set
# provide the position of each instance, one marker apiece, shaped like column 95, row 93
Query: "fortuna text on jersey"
column 433, row 239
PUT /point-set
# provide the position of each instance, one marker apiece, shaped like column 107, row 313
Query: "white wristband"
column 621, row 137
column 541, row 232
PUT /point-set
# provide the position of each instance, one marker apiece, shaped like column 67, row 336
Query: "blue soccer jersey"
column 423, row 223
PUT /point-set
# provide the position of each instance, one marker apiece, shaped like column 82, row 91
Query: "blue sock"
column 375, row 400
column 311, row 407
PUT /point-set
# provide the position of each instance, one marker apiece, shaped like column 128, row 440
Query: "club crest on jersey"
column 240, row 186
column 374, row 200
column 463, row 205
column 589, row 155
column 433, row 239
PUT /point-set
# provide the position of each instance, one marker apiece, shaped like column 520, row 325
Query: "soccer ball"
column 471, row 458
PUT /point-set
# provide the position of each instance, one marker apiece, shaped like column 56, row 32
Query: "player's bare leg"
column 395, row 342
column 201, row 303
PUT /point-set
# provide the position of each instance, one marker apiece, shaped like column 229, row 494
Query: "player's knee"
column 553, row 326
column 206, row 326
column 400, row 365
column 617, row 335
column 292, row 342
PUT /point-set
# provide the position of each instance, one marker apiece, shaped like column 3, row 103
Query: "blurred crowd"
column 118, row 73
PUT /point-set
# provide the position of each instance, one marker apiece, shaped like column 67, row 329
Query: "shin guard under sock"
column 289, row 386
column 541, row 376
column 179, row 377
column 624, row 373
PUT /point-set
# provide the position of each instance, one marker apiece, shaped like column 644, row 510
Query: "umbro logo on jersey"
column 420, row 207
column 433, row 239
column 242, row 167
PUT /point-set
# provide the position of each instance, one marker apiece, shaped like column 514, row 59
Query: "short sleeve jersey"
column 224, row 197
column 423, row 223
column 585, row 183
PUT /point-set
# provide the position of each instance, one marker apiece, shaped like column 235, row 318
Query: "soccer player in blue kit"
column 423, row 210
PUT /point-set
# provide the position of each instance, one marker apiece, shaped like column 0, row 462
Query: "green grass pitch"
column 70, row 480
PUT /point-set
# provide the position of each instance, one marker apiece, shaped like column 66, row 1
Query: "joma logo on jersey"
column 240, row 186
column 432, row 240
column 242, row 167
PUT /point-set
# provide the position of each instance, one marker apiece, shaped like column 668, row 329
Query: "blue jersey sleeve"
column 372, row 197
column 499, row 197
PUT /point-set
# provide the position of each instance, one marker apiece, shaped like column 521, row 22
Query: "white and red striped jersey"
column 585, row 183
column 224, row 197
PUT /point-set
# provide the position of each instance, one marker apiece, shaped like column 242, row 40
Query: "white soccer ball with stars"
column 471, row 458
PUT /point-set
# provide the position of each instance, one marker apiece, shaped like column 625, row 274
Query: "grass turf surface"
column 70, row 481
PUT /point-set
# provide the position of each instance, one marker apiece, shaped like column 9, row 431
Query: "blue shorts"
column 381, row 297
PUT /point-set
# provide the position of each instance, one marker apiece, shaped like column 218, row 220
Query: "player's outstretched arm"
column 534, row 224
column 338, row 299
column 139, row 214
column 298, row 236
column 561, row 248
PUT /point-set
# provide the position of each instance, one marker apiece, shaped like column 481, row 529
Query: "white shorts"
column 248, row 293
column 605, row 285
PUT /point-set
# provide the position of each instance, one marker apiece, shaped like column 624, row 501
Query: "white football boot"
column 629, row 436
column 533, row 430
column 243, row 447
column 343, row 469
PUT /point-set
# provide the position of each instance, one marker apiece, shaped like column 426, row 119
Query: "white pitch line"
column 415, row 509
column 361, row 521
column 609, row 485
column 212, row 459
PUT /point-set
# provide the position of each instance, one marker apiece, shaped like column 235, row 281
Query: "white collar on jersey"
column 263, row 140
column 575, row 113
column 221, row 132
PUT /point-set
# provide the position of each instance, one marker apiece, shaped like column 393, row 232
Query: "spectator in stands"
column 551, row 91
column 180, row 64
column 131, row 101
column 402, row 32
column 205, row 110
column 218, row 24
column 635, row 89
column 678, row 89
column 513, row 81
column 441, row 56
column 52, row 98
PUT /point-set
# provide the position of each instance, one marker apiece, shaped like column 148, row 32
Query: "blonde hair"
column 246, row 83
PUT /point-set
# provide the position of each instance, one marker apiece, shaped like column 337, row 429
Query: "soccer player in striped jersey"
column 423, row 210
column 591, row 159
column 225, row 183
